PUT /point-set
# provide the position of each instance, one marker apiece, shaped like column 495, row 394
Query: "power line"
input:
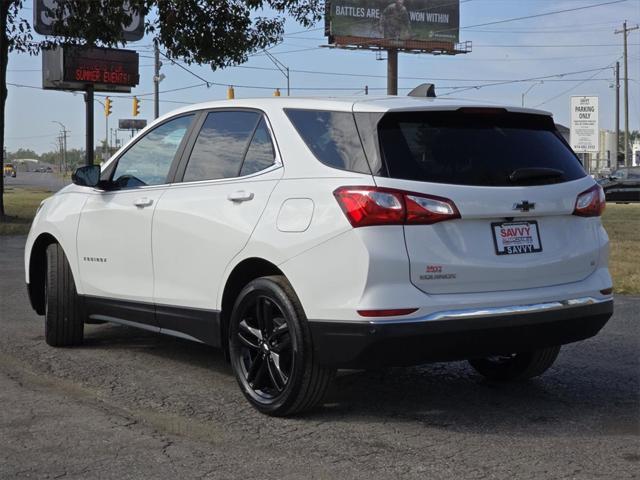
column 566, row 10
column 573, row 88
column 184, row 68
column 350, row 74
column 493, row 84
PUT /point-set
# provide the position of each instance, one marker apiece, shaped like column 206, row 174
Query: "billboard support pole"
column 88, row 99
column 392, row 71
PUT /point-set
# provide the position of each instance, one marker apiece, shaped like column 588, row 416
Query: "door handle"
column 240, row 196
column 143, row 202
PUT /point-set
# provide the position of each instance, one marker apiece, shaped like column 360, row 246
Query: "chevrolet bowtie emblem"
column 524, row 206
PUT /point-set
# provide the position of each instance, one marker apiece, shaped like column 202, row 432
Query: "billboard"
column 585, row 135
column 395, row 23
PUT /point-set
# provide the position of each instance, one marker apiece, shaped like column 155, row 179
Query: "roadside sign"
column 74, row 68
column 585, row 136
column 44, row 19
column 131, row 123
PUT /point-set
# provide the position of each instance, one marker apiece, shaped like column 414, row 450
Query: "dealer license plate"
column 513, row 238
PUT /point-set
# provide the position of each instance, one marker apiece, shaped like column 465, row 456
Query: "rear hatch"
column 514, row 181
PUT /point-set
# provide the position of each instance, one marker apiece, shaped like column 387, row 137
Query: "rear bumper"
column 458, row 335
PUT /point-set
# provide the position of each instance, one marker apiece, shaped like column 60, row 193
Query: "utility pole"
column 615, row 162
column 392, row 71
column 60, row 148
column 63, row 145
column 156, row 81
column 624, row 32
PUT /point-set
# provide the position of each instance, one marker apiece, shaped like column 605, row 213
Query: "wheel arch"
column 38, row 269
column 244, row 272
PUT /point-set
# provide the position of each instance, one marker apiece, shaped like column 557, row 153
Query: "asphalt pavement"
column 131, row 404
column 46, row 181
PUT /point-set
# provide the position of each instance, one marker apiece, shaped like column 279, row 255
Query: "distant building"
column 25, row 164
column 606, row 157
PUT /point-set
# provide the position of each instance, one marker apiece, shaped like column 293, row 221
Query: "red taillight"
column 367, row 206
column 590, row 203
column 387, row 313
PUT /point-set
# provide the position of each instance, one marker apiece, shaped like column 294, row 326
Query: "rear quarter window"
column 332, row 137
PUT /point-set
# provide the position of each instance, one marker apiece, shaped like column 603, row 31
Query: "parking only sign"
column 585, row 137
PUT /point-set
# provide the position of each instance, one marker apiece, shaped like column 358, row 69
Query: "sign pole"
column 392, row 71
column 88, row 98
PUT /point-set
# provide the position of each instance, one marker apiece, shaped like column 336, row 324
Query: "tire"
column 519, row 366
column 271, row 349
column 64, row 322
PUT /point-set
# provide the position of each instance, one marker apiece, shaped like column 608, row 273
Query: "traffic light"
column 276, row 93
column 231, row 94
column 136, row 107
column 107, row 107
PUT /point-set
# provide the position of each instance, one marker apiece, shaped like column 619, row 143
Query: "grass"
column 20, row 205
column 622, row 223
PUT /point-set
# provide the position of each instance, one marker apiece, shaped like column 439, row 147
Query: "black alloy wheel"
column 266, row 349
column 271, row 349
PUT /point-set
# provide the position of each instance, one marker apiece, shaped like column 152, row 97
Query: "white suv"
column 306, row 235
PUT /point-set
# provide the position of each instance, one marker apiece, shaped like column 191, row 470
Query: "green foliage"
column 216, row 32
column 22, row 153
column 17, row 33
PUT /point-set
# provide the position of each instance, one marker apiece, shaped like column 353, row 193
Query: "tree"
column 22, row 153
column 216, row 32
column 15, row 35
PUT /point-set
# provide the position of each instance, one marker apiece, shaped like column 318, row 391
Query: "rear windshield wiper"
column 535, row 173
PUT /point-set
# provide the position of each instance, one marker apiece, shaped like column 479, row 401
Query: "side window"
column 332, row 137
column 221, row 145
column 148, row 161
column 260, row 154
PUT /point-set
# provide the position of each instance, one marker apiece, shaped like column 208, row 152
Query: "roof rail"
column 423, row 90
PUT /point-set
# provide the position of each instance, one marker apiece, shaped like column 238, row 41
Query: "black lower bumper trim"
column 362, row 345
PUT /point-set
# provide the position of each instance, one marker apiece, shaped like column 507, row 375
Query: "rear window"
column 481, row 148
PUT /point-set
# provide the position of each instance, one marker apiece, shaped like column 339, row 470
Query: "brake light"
column 367, row 206
column 590, row 203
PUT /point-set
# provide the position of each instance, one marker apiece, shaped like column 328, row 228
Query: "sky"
column 575, row 50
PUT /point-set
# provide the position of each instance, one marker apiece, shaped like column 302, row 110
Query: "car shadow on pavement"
column 580, row 393
column 114, row 337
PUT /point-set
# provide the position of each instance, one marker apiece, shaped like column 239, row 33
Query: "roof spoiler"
column 423, row 90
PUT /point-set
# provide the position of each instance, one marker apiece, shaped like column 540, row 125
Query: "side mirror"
column 87, row 176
